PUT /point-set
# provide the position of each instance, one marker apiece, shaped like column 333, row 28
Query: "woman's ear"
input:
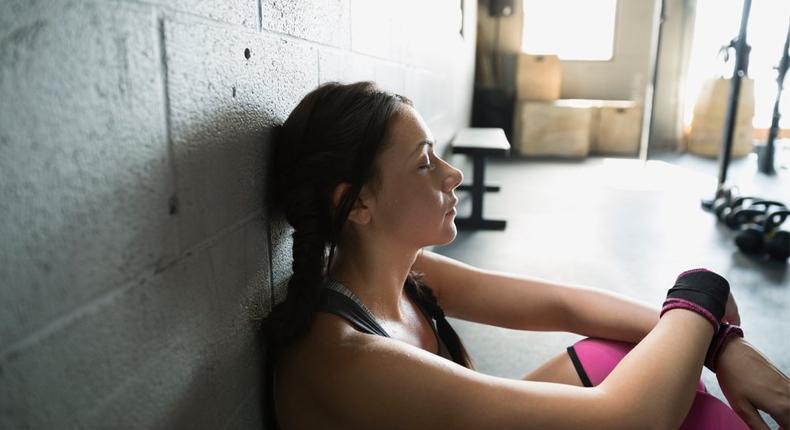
column 360, row 212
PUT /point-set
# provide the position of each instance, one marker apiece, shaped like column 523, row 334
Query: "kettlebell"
column 723, row 199
column 760, row 233
column 727, row 213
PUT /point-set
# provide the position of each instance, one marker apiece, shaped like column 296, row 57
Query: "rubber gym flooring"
column 615, row 224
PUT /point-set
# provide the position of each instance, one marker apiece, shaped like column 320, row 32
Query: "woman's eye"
column 425, row 166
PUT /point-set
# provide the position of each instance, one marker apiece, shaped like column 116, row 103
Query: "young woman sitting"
column 361, row 340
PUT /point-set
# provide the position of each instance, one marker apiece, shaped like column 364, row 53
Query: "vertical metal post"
column 765, row 163
column 647, row 108
column 741, row 70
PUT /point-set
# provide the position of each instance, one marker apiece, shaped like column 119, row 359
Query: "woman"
column 354, row 344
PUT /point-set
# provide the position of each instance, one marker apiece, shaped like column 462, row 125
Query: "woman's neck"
column 376, row 275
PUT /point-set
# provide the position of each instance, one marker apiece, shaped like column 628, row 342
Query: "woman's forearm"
column 657, row 378
column 597, row 313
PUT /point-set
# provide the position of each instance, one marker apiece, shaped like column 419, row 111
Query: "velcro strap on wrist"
column 704, row 288
column 724, row 334
column 688, row 305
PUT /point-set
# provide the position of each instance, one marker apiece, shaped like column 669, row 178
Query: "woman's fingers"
column 750, row 416
column 731, row 314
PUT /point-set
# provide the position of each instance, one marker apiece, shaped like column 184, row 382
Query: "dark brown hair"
column 332, row 136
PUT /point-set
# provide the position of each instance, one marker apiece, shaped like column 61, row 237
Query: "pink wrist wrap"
column 689, row 305
column 724, row 334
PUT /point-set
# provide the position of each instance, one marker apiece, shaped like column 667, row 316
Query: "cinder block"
column 58, row 381
column 239, row 12
column 186, row 388
column 84, row 195
column 559, row 128
column 249, row 414
column 372, row 28
column 178, row 348
column 220, row 105
column 391, row 76
column 281, row 237
column 241, row 272
column 417, row 88
column 426, row 34
column 345, row 67
column 321, row 21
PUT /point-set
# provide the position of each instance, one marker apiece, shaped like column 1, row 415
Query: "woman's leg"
column 589, row 361
column 558, row 369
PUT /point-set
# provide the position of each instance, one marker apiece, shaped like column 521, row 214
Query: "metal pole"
column 741, row 70
column 765, row 162
column 647, row 111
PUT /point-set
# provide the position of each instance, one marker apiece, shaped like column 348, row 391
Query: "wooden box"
column 538, row 77
column 617, row 126
column 710, row 111
column 706, row 135
column 714, row 96
column 558, row 128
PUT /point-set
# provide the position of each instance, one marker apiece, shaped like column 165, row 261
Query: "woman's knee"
column 559, row 369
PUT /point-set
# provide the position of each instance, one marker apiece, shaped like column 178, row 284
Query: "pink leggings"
column 595, row 358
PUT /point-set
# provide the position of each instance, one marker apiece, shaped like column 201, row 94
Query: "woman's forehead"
column 407, row 131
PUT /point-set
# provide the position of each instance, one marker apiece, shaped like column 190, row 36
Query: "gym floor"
column 613, row 224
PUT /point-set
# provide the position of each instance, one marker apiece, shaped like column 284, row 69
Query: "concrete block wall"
column 136, row 247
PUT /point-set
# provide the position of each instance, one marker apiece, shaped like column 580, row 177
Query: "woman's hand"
column 751, row 383
column 731, row 314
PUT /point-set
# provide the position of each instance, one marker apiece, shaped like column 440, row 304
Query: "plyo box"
column 617, row 126
column 538, row 77
column 553, row 128
column 710, row 111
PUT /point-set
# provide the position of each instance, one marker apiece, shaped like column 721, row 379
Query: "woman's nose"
column 454, row 178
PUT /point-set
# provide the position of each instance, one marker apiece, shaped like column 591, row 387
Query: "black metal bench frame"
column 478, row 151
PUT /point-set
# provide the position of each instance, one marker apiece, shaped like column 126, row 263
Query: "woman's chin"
column 450, row 235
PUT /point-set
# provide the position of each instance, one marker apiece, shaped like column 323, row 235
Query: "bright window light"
column 716, row 23
column 571, row 29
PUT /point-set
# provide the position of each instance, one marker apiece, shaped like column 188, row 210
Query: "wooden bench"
column 479, row 143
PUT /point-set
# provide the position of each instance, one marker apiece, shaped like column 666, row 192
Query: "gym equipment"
column 479, row 143
column 740, row 216
column 726, row 214
column 764, row 237
column 741, row 67
column 765, row 157
column 659, row 16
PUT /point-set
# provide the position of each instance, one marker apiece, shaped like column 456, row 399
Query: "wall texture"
column 136, row 246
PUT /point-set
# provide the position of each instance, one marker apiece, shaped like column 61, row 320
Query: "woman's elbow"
column 632, row 411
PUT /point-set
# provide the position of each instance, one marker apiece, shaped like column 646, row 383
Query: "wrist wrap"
column 725, row 334
column 701, row 291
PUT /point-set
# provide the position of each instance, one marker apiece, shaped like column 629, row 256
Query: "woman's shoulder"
column 303, row 374
column 342, row 377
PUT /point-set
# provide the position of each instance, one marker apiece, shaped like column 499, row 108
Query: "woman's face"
column 415, row 200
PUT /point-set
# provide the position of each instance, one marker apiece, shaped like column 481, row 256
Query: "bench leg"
column 478, row 188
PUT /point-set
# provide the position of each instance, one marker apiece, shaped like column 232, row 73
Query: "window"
column 571, row 29
column 716, row 23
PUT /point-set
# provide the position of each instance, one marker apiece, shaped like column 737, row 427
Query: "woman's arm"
column 525, row 303
column 651, row 388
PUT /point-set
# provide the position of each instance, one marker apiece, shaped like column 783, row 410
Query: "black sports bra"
column 339, row 300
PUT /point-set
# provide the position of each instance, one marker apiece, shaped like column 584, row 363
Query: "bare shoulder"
column 345, row 379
